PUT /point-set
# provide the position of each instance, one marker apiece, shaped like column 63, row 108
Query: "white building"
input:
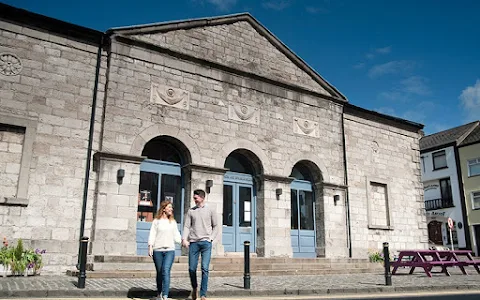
column 442, row 186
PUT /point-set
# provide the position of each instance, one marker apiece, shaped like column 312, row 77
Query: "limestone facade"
column 210, row 89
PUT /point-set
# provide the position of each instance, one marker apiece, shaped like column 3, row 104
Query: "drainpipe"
column 347, row 201
column 90, row 142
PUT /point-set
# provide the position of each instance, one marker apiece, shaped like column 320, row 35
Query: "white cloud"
column 384, row 50
column 222, row 5
column 393, row 96
column 316, row 10
column 359, row 65
column 470, row 100
column 374, row 52
column 416, row 85
column 276, row 5
column 391, row 68
column 386, row 111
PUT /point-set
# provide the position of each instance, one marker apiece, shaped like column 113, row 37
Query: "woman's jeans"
column 163, row 264
column 203, row 248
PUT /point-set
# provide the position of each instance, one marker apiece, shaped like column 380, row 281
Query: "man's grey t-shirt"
column 200, row 224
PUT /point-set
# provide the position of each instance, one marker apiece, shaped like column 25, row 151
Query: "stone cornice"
column 207, row 169
column 332, row 185
column 98, row 156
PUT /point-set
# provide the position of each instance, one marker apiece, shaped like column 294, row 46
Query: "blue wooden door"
column 238, row 212
column 302, row 219
column 159, row 181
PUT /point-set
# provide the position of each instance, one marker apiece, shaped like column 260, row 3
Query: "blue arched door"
column 302, row 219
column 238, row 212
column 159, row 181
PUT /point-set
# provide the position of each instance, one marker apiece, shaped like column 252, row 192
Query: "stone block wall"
column 385, row 188
column 50, row 92
column 115, row 206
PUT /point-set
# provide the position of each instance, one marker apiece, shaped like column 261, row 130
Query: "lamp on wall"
column 120, row 175
column 336, row 198
column 208, row 185
column 278, row 192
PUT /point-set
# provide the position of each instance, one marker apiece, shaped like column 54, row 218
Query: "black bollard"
column 386, row 259
column 83, row 263
column 246, row 273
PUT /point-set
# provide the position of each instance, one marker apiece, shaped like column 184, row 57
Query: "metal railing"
column 438, row 203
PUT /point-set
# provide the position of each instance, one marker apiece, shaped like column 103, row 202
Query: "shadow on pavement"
column 142, row 293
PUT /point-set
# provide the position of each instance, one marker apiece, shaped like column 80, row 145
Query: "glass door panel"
column 245, row 206
column 171, row 190
column 147, row 196
column 228, row 230
column 305, row 200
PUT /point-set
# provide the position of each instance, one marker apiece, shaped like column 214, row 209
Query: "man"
column 199, row 232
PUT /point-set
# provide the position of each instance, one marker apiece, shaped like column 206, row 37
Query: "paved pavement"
column 64, row 286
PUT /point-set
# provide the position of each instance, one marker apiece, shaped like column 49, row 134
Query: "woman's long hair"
column 160, row 211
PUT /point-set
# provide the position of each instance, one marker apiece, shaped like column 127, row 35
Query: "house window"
column 423, row 163
column 476, row 200
column 439, row 160
column 474, row 167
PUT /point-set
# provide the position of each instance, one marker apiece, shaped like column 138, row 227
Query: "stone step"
column 225, row 260
column 213, row 273
column 254, row 265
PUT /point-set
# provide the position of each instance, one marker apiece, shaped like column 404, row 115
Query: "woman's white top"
column 163, row 235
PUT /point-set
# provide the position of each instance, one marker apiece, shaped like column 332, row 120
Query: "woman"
column 161, row 246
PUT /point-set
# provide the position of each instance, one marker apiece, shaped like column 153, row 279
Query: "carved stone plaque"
column 169, row 96
column 305, row 127
column 244, row 113
column 10, row 64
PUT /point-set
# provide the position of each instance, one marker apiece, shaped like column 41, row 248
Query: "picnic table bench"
column 427, row 259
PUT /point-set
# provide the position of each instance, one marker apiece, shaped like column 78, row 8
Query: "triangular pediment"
column 236, row 41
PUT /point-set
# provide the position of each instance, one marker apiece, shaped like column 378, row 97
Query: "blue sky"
column 418, row 60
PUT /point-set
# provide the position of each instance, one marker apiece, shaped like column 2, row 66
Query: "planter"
column 6, row 271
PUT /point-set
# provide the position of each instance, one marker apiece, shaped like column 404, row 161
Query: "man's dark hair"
column 200, row 193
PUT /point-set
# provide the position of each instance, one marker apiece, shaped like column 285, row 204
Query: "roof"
column 383, row 118
column 229, row 19
column 26, row 18
column 472, row 138
column 454, row 136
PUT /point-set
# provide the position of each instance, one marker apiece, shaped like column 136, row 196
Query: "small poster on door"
column 247, row 206
column 246, row 216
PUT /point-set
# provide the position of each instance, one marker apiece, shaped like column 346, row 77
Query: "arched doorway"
column 161, row 179
column 239, row 200
column 303, row 211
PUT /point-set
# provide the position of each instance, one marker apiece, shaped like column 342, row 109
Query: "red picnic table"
column 427, row 259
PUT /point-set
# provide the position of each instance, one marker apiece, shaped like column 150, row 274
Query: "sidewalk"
column 64, row 286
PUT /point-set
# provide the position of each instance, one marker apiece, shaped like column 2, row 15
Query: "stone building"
column 217, row 103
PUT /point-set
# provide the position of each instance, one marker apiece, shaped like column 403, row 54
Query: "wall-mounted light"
column 336, row 198
column 278, row 192
column 120, row 175
column 208, row 185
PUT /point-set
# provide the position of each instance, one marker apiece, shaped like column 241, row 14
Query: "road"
column 464, row 295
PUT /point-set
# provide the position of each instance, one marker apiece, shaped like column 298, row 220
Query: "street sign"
column 450, row 223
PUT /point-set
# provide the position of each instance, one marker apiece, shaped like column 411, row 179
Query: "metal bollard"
column 386, row 260
column 83, row 263
column 246, row 273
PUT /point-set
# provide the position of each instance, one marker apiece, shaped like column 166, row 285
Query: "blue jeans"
column 195, row 249
column 163, row 264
